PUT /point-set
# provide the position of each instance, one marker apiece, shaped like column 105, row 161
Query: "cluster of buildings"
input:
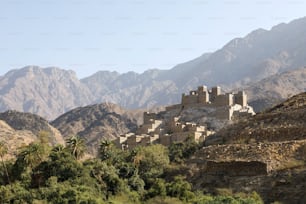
column 158, row 130
column 227, row 105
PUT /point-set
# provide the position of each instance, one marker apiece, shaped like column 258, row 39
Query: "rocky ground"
column 265, row 153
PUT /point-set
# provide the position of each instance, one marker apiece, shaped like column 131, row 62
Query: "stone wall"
column 190, row 99
column 224, row 100
column 236, row 168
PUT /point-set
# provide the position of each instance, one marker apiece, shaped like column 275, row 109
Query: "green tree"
column 158, row 188
column 32, row 154
column 107, row 177
column 3, row 152
column 106, row 150
column 182, row 150
column 136, row 183
column 62, row 165
column 77, row 147
column 151, row 161
column 180, row 188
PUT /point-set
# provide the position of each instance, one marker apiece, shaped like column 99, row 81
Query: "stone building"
column 156, row 129
column 228, row 105
column 214, row 97
column 162, row 132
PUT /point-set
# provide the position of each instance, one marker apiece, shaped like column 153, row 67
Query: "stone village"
column 157, row 128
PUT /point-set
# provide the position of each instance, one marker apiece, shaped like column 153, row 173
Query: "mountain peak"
column 261, row 54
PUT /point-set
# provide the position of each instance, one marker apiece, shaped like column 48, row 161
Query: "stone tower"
column 241, row 98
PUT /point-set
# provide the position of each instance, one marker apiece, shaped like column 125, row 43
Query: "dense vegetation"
column 153, row 174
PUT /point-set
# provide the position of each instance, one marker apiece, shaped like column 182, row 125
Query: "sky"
column 128, row 35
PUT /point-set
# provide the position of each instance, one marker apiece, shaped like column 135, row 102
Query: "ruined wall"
column 236, row 168
column 147, row 140
column 223, row 113
column 180, row 136
column 189, row 99
column 173, row 107
column 133, row 141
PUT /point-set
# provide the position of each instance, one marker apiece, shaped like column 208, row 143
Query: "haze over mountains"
column 241, row 63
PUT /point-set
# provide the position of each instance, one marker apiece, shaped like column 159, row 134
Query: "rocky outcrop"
column 35, row 124
column 96, row 122
column 14, row 138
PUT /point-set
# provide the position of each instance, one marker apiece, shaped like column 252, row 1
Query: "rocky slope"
column 266, row 154
column 14, row 138
column 51, row 92
column 286, row 121
column 18, row 129
column 35, row 124
column 97, row 122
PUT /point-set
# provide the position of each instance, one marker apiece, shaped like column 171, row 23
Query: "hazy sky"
column 128, row 35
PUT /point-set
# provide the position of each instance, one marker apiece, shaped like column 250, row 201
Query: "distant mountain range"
column 276, row 88
column 241, row 63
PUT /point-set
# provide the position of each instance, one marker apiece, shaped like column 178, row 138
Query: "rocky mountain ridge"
column 52, row 91
column 276, row 88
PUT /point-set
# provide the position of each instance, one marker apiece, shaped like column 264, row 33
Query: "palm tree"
column 105, row 149
column 77, row 147
column 33, row 154
column 3, row 152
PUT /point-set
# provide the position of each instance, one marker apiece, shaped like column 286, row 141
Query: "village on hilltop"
column 156, row 129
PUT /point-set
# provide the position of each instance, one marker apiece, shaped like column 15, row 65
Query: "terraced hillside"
column 266, row 154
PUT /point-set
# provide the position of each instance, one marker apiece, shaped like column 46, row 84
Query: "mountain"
column 258, row 55
column 243, row 61
column 46, row 92
column 97, row 122
column 276, row 88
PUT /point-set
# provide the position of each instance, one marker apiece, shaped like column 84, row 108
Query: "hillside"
column 34, row 124
column 96, row 122
column 286, row 121
column 14, row 138
column 51, row 92
column 265, row 153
